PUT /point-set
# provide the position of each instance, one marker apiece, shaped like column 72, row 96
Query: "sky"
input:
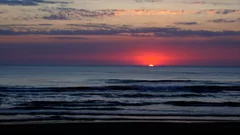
column 120, row 32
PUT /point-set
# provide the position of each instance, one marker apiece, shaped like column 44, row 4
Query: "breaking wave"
column 194, row 88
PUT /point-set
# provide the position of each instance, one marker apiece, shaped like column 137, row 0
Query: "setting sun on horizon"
column 151, row 58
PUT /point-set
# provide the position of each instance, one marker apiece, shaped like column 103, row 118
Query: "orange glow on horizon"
column 153, row 58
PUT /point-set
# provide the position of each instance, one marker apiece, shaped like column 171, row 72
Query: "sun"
column 149, row 58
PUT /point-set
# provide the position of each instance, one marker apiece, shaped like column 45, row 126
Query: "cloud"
column 200, row 3
column 69, row 38
column 102, row 26
column 57, row 13
column 224, row 21
column 141, row 12
column 218, row 11
column 149, row 0
column 11, row 25
column 204, row 33
column 76, row 14
column 210, row 2
column 57, row 17
column 150, row 34
column 173, row 12
column 30, row 2
column 105, row 29
column 80, row 14
column 186, row 23
column 19, row 2
column 16, row 26
column 45, row 24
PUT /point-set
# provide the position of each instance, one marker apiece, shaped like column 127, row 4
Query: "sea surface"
column 95, row 93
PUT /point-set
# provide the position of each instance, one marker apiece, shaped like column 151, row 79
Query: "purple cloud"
column 224, row 21
column 186, row 23
column 30, row 2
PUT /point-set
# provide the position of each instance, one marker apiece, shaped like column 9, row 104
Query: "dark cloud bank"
column 113, row 30
column 29, row 2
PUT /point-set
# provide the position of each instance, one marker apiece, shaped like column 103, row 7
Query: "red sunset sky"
column 120, row 32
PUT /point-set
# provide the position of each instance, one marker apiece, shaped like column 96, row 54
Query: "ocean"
column 102, row 93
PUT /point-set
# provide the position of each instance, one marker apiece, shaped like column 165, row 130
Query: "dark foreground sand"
column 123, row 127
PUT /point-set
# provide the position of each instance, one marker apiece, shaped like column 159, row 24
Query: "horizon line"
column 115, row 65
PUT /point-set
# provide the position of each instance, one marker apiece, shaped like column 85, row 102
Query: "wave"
column 117, row 81
column 194, row 88
column 200, row 103
column 97, row 113
column 148, row 95
column 129, row 81
column 83, row 105
column 139, row 95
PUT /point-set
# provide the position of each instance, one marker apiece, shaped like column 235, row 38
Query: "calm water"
column 42, row 93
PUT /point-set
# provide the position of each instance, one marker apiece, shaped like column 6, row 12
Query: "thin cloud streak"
column 224, row 21
column 186, row 23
